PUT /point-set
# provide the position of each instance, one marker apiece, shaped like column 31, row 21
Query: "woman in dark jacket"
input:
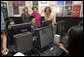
column 25, row 15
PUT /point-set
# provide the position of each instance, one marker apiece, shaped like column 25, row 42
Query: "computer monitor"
column 46, row 23
column 45, row 36
column 80, row 23
column 61, row 27
column 19, row 28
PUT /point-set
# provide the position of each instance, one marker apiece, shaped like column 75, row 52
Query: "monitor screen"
column 20, row 28
column 61, row 27
column 45, row 36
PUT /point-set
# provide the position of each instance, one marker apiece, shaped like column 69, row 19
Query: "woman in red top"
column 37, row 16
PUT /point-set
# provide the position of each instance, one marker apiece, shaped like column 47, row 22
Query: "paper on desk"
column 19, row 54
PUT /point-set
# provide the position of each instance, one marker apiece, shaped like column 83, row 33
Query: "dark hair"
column 47, row 8
column 31, row 17
column 7, row 24
column 34, row 7
column 76, row 40
column 10, row 20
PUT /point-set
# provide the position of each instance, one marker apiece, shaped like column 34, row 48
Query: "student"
column 25, row 15
column 4, row 37
column 37, row 16
column 33, row 25
column 49, row 16
column 75, row 42
column 10, row 22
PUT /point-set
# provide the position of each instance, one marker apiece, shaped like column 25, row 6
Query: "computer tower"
column 23, row 42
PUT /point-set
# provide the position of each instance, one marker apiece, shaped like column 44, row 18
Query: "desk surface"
column 52, row 51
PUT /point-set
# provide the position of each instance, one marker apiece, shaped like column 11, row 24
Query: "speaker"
column 23, row 42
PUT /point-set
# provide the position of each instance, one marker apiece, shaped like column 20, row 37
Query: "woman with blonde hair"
column 49, row 16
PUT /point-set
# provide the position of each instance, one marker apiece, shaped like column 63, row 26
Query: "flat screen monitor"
column 61, row 27
column 45, row 36
column 20, row 28
column 80, row 23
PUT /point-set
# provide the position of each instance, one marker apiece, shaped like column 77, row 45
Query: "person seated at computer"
column 4, row 37
column 3, row 43
column 49, row 16
column 37, row 16
column 75, row 41
column 33, row 25
column 25, row 15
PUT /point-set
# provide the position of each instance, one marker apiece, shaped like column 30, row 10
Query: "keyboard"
column 52, row 50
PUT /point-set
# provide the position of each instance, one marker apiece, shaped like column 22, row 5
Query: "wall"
column 21, row 5
column 63, row 8
column 60, row 8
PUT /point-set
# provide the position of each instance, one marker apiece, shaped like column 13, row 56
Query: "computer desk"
column 52, row 51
